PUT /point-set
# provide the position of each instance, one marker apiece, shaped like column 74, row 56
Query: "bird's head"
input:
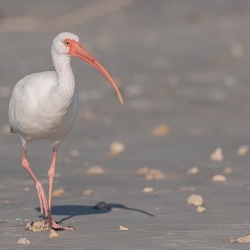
column 69, row 44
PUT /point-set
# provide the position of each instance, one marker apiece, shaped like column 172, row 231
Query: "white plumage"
column 45, row 105
column 37, row 110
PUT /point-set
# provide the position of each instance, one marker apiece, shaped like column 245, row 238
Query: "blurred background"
column 184, row 64
column 183, row 67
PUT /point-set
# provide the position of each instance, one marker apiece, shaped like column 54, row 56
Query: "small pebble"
column 219, row 178
column 148, row 190
column 23, row 241
column 243, row 150
column 155, row 174
column 122, row 228
column 186, row 189
column 217, row 155
column 244, row 239
column 161, row 130
column 116, row 148
column 193, row 171
column 102, row 206
column 95, row 170
column 228, row 170
column 143, row 170
column 58, row 192
column 200, row 209
column 195, row 200
column 88, row 192
column 63, row 160
column 53, row 234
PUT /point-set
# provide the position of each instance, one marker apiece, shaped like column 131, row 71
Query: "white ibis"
column 45, row 105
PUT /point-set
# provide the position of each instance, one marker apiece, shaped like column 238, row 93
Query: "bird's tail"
column 12, row 130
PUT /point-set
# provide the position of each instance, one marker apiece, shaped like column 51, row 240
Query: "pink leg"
column 39, row 187
column 51, row 174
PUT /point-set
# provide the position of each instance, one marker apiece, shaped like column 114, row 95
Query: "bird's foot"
column 56, row 227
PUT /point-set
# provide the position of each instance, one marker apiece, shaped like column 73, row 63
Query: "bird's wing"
column 25, row 95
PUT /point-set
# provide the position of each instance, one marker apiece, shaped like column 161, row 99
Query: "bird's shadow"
column 77, row 210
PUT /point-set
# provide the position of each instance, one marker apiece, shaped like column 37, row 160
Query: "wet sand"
column 184, row 70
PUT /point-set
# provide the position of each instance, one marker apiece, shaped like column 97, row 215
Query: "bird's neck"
column 65, row 78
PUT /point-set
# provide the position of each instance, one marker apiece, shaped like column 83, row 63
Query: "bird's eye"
column 67, row 42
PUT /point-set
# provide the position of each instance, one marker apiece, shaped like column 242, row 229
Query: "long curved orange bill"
column 83, row 54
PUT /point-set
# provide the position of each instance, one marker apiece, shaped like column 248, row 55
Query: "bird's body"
column 38, row 110
column 45, row 105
